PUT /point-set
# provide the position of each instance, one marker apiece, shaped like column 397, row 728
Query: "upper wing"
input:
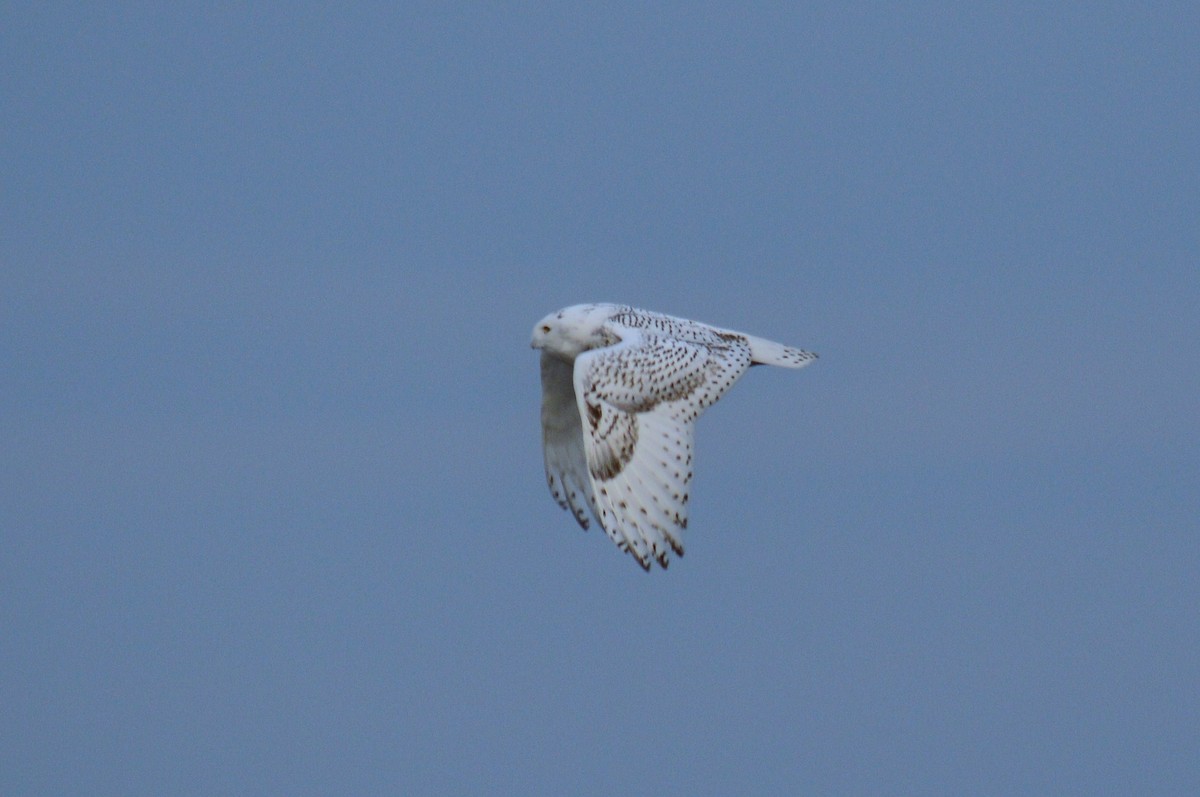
column 637, row 404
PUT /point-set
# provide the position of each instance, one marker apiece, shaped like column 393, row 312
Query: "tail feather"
column 768, row 352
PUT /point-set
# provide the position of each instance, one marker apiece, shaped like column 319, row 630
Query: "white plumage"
column 621, row 391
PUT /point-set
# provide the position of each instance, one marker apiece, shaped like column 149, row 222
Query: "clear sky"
column 271, row 496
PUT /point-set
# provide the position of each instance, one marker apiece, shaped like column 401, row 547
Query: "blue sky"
column 271, row 492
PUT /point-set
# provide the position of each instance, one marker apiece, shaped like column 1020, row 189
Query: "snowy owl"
column 621, row 391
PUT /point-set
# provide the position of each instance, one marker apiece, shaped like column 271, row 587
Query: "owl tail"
column 768, row 352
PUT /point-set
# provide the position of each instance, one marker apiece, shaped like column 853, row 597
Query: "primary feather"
column 621, row 391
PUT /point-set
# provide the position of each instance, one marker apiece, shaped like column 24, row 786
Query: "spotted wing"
column 637, row 404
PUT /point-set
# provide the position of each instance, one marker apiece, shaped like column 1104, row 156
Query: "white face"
column 570, row 331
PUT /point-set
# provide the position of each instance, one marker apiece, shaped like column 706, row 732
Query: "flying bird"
column 621, row 391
